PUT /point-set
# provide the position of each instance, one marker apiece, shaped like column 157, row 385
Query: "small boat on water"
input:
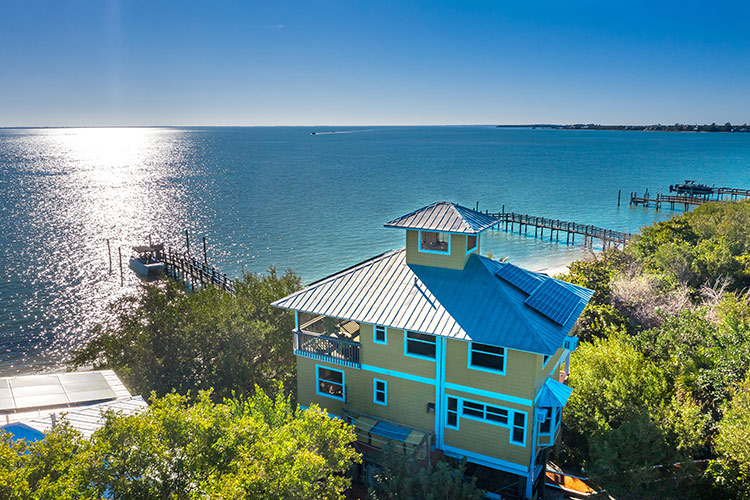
column 691, row 188
column 147, row 260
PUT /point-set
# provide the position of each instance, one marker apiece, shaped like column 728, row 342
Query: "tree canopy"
column 183, row 448
column 665, row 343
column 163, row 339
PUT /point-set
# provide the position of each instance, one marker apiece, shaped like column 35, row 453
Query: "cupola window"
column 471, row 243
column 431, row 241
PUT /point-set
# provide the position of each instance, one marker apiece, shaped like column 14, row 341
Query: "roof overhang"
column 553, row 394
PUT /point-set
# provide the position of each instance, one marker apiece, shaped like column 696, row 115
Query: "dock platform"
column 194, row 272
column 607, row 237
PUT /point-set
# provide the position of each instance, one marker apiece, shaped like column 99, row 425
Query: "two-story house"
column 437, row 348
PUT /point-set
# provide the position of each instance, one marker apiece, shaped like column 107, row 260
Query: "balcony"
column 328, row 339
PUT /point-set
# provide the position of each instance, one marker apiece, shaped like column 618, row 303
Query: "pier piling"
column 122, row 277
column 608, row 237
column 109, row 253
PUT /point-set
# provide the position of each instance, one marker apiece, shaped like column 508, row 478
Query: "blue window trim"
column 458, row 412
column 375, row 337
column 513, row 426
column 511, row 418
column 476, row 243
column 485, row 369
column 545, row 360
column 317, row 383
column 375, row 392
column 418, row 356
column 548, row 412
column 419, row 243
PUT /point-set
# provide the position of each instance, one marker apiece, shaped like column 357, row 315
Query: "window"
column 473, row 409
column 495, row 415
column 379, row 336
column 518, row 432
column 434, row 242
column 485, row 412
column 380, row 392
column 498, row 415
column 420, row 345
column 330, row 382
column 487, row 357
column 452, row 420
column 471, row 243
column 546, row 424
column 544, row 360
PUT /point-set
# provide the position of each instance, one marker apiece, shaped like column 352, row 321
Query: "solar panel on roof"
column 553, row 301
column 86, row 387
column 39, row 391
column 519, row 278
column 6, row 397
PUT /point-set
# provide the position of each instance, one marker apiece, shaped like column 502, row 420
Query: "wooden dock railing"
column 608, row 237
column 661, row 199
column 195, row 273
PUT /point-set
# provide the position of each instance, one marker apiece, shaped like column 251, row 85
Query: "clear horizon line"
column 4, row 127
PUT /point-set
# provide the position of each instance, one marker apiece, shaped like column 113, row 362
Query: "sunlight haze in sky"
column 118, row 63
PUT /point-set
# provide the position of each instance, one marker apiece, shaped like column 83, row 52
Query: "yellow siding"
column 456, row 259
column 546, row 372
column 490, row 439
column 407, row 400
column 521, row 371
column 391, row 356
column 306, row 388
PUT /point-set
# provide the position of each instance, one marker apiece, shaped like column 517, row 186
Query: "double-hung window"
column 545, row 427
column 420, row 345
column 380, row 392
column 518, row 431
column 379, row 335
column 434, row 242
column 487, row 357
column 330, row 382
column 452, row 420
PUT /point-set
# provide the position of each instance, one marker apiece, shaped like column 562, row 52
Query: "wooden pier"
column 688, row 200
column 607, row 237
column 195, row 273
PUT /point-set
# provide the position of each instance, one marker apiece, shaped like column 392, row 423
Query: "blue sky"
column 110, row 62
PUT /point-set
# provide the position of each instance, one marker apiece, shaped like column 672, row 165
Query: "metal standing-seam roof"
column 470, row 304
column 553, row 394
column 444, row 216
column 87, row 419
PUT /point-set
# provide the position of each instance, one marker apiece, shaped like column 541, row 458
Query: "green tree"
column 611, row 381
column 401, row 477
column 731, row 469
column 188, row 448
column 165, row 339
column 61, row 466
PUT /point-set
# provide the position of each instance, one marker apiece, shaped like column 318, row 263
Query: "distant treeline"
column 677, row 127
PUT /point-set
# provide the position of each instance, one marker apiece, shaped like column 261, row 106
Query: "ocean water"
column 283, row 197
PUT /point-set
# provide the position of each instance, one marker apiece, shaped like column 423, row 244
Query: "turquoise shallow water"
column 280, row 196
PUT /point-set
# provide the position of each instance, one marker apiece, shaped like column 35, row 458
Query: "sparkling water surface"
column 284, row 197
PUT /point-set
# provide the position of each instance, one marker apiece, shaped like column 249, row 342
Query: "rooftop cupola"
column 442, row 234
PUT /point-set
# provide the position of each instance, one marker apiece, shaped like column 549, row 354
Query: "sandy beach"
column 553, row 270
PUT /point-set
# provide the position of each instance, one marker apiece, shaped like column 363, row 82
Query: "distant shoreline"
column 677, row 127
